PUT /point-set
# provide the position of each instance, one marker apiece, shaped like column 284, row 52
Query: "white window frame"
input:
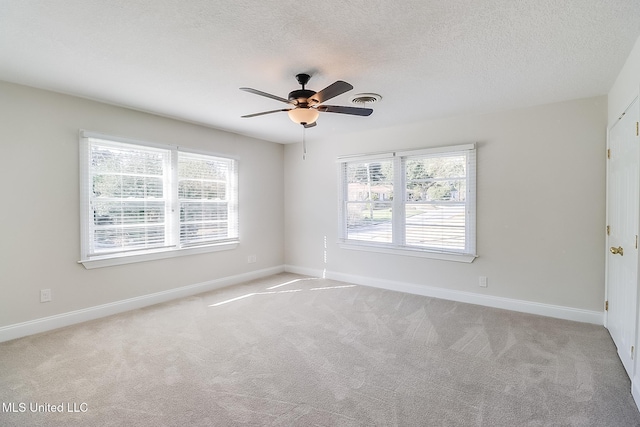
column 172, row 211
column 398, row 246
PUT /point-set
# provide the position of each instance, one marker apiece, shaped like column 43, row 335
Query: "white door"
column 622, row 243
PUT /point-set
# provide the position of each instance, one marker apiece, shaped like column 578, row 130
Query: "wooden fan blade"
column 263, row 113
column 354, row 111
column 261, row 93
column 331, row 91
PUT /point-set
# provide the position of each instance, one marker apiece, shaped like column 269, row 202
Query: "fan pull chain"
column 304, row 143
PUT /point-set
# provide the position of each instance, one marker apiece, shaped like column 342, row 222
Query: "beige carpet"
column 294, row 351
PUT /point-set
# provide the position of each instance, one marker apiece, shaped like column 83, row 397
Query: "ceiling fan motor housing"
column 301, row 97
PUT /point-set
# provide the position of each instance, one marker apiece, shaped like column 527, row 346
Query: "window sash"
column 127, row 197
column 206, row 197
column 440, row 220
column 130, row 201
column 368, row 205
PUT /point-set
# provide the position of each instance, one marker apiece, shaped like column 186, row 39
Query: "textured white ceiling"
column 427, row 58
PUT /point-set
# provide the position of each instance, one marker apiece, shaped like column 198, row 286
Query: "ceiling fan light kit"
column 308, row 104
column 303, row 116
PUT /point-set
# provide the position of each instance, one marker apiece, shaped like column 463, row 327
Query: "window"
column 419, row 202
column 142, row 201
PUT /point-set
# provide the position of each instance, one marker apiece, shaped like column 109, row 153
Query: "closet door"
column 622, row 240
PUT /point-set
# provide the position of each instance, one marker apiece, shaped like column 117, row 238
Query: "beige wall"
column 39, row 217
column 540, row 205
column 540, row 208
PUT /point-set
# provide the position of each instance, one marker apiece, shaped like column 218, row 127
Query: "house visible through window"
column 419, row 202
column 141, row 199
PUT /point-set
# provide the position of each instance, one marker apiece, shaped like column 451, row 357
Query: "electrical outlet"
column 483, row 281
column 251, row 259
column 45, row 295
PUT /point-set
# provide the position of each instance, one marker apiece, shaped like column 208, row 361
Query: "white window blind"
column 206, row 193
column 368, row 195
column 432, row 209
column 140, row 198
column 436, row 206
column 128, row 199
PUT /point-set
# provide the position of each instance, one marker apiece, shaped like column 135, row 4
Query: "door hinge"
column 637, row 129
column 636, row 241
column 608, row 153
column 608, row 230
column 632, row 352
column 606, row 306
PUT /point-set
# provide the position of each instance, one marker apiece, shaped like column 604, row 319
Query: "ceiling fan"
column 307, row 104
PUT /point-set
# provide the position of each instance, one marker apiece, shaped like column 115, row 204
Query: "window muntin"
column 433, row 212
column 140, row 199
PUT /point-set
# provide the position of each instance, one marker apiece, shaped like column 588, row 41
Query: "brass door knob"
column 616, row 251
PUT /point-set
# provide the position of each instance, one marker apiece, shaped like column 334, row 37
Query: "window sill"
column 444, row 256
column 110, row 260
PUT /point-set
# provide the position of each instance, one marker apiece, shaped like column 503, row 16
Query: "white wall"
column 541, row 204
column 39, row 217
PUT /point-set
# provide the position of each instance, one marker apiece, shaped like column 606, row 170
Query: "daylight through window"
column 140, row 199
column 422, row 201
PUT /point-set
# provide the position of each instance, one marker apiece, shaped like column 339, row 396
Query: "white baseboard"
column 65, row 319
column 557, row 311
column 635, row 390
